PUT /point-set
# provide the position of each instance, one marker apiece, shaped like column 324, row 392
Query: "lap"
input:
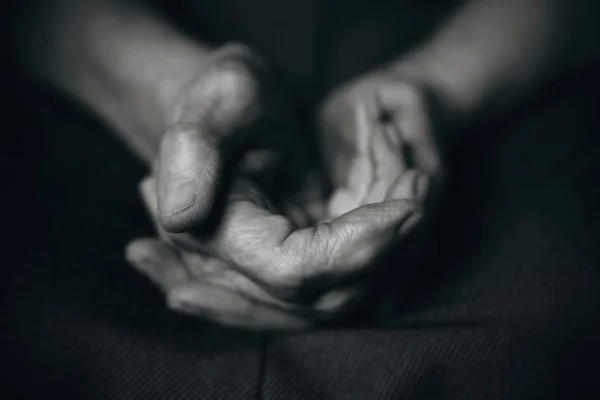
column 510, row 302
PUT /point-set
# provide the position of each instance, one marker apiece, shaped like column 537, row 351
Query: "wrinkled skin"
column 241, row 252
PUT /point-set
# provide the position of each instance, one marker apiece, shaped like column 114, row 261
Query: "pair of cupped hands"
column 264, row 226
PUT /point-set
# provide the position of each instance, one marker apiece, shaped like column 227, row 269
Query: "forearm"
column 494, row 52
column 119, row 58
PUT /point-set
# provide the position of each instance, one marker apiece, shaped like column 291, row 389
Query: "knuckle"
column 294, row 268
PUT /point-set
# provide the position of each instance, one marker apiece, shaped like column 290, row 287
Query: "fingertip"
column 389, row 212
column 185, row 212
column 185, row 205
column 139, row 249
column 147, row 185
column 147, row 190
column 369, row 222
column 187, row 181
column 337, row 303
column 182, row 220
column 400, row 214
column 180, row 298
column 179, row 205
column 406, row 205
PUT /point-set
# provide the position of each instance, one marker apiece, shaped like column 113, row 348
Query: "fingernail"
column 180, row 194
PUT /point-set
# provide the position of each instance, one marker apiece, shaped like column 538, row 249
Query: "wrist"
column 123, row 62
column 137, row 95
column 453, row 107
column 148, row 94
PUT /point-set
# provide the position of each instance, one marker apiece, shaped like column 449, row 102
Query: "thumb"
column 217, row 107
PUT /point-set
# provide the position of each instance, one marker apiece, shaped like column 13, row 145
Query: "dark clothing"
column 508, row 309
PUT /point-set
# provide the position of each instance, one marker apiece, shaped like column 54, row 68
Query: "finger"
column 148, row 192
column 341, row 202
column 387, row 156
column 207, row 130
column 282, row 259
column 338, row 303
column 388, row 163
column 361, row 175
column 347, row 244
column 412, row 184
column 246, row 238
column 161, row 265
column 188, row 177
column 216, row 273
column 204, row 267
column 227, row 308
column 268, row 248
column 381, row 115
column 409, row 107
column 379, row 160
column 157, row 261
